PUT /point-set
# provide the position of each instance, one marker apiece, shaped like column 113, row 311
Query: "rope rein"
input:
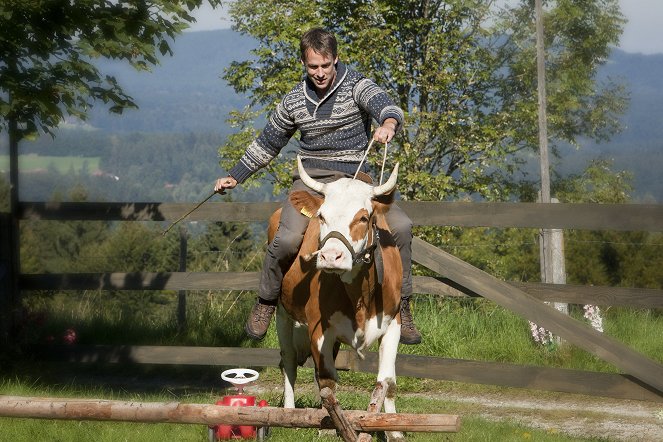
column 384, row 160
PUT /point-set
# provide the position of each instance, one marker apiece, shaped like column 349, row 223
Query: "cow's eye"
column 364, row 219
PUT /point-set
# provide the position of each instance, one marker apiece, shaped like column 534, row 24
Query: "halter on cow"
column 335, row 292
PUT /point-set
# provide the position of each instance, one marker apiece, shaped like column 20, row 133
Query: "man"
column 332, row 109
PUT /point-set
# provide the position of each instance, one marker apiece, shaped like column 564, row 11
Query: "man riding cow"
column 332, row 108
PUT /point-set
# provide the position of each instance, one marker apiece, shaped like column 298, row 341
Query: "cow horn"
column 387, row 187
column 310, row 182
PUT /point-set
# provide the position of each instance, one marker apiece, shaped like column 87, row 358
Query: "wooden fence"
column 642, row 377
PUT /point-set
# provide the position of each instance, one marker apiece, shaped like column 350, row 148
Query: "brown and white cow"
column 331, row 294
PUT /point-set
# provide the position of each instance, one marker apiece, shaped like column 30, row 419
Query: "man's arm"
column 380, row 107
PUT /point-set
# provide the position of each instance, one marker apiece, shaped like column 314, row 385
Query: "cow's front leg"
column 387, row 372
column 323, row 347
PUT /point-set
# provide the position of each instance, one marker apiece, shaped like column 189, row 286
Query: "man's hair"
column 321, row 41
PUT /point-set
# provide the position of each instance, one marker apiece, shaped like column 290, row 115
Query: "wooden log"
column 176, row 412
column 374, row 406
column 377, row 397
column 337, row 415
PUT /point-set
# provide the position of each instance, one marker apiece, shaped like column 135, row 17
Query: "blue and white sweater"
column 334, row 130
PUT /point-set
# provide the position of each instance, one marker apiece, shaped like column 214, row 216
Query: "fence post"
column 181, row 296
column 9, row 271
column 6, row 279
column 553, row 267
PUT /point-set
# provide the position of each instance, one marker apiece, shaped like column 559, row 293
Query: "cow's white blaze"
column 343, row 200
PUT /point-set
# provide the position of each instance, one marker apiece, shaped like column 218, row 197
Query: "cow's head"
column 346, row 216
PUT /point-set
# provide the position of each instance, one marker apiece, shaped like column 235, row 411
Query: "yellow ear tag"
column 306, row 213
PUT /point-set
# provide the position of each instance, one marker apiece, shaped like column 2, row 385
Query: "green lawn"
column 31, row 163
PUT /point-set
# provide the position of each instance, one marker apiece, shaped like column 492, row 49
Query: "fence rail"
column 622, row 217
column 595, row 295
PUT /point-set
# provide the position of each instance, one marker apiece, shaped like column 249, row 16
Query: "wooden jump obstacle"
column 208, row 414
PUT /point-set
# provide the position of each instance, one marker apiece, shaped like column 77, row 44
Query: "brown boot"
column 259, row 319
column 409, row 333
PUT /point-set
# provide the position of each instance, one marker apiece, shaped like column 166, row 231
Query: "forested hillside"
column 639, row 148
column 167, row 149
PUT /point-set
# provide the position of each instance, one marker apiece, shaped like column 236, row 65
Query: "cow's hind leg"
column 387, row 372
column 285, row 329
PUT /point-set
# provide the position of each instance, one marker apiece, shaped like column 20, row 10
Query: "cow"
column 344, row 285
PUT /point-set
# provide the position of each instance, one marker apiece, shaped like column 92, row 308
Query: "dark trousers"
column 292, row 226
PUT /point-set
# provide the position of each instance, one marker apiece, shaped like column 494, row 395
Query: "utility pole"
column 544, row 162
column 552, row 255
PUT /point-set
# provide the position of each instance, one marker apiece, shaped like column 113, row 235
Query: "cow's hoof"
column 395, row 436
column 330, row 432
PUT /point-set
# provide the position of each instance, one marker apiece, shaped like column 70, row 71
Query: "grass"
column 468, row 329
column 473, row 329
column 32, row 162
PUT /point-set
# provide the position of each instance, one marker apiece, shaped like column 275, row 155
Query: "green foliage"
column 53, row 246
column 464, row 74
column 578, row 37
column 628, row 259
column 47, row 50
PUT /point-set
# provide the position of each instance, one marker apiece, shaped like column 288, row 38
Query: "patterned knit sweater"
column 334, row 130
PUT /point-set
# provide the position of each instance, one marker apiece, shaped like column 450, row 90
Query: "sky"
column 643, row 33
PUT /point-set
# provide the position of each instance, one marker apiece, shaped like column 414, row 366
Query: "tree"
column 47, row 50
column 464, row 72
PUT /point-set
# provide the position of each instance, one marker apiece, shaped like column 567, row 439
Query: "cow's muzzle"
column 332, row 255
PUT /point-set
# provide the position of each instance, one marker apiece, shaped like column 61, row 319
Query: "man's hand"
column 224, row 183
column 386, row 132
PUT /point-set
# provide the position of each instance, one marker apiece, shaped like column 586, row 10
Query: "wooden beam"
column 337, row 415
column 519, row 302
column 617, row 296
column 595, row 295
column 622, row 217
column 477, row 372
column 181, row 413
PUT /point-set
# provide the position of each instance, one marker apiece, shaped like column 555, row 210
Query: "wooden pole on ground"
column 374, row 406
column 338, row 417
column 175, row 412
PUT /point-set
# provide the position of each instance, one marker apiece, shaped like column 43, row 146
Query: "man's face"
column 320, row 69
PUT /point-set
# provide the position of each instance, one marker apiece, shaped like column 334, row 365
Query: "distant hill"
column 186, row 94
column 639, row 148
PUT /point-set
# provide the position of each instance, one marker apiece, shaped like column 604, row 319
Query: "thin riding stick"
column 191, row 211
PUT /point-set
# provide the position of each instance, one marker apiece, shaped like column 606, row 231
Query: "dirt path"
column 610, row 419
column 573, row 415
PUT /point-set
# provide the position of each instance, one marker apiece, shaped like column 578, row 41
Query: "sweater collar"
column 309, row 88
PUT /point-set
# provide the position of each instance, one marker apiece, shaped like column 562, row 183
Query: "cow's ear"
column 386, row 199
column 305, row 203
column 380, row 208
